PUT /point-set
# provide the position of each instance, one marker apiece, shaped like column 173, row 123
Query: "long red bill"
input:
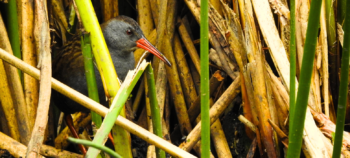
column 146, row 45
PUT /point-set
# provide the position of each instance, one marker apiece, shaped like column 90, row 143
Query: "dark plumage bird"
column 123, row 35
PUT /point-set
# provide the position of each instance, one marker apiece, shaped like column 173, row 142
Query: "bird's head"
column 124, row 35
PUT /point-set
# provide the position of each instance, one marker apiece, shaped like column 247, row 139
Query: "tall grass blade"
column 343, row 89
column 297, row 124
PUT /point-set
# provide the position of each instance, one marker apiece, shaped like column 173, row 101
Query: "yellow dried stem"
column 31, row 87
column 7, row 104
column 324, row 50
column 247, row 123
column 217, row 5
column 315, row 86
column 176, row 91
column 137, row 100
column 155, row 11
column 271, row 104
column 148, row 107
column 145, row 17
column 215, row 111
column 280, row 133
column 270, row 34
column 302, row 15
column 219, row 140
column 185, row 75
column 58, row 10
column 15, row 89
column 151, row 151
column 161, row 88
column 7, row 100
column 262, row 104
column 213, row 56
column 19, row 150
column 189, row 46
column 250, row 93
column 215, row 81
column 170, row 19
column 107, row 9
column 115, row 8
column 281, row 106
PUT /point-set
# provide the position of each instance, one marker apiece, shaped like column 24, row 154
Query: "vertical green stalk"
column 332, row 47
column 155, row 111
column 105, row 66
column 292, row 61
column 99, row 46
column 341, row 9
column 343, row 89
column 116, row 108
column 204, row 48
column 297, row 124
column 13, row 30
column 90, row 76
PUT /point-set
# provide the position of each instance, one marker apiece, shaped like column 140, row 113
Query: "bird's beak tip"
column 146, row 45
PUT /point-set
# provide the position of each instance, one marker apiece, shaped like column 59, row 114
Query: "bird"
column 123, row 36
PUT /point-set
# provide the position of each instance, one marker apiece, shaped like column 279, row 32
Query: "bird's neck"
column 123, row 62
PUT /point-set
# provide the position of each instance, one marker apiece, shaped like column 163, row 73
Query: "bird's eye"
column 128, row 32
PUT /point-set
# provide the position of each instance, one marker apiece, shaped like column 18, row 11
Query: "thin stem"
column 204, row 50
column 297, row 124
column 343, row 89
column 155, row 110
column 292, row 61
column 97, row 146
column 90, row 76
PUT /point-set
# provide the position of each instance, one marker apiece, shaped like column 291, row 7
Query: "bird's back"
column 68, row 68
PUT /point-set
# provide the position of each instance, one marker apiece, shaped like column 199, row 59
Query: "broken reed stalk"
column 42, row 39
column 215, row 81
column 219, row 106
column 98, row 108
column 219, row 140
